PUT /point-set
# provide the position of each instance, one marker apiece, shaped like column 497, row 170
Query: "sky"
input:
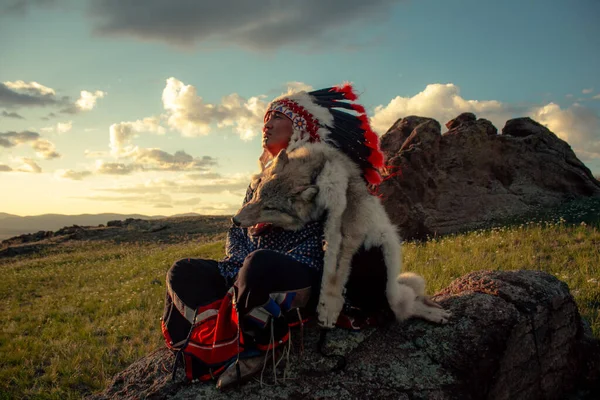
column 156, row 107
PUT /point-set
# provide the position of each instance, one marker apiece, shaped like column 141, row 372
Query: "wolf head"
column 284, row 196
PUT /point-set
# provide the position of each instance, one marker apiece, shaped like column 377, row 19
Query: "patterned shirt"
column 304, row 245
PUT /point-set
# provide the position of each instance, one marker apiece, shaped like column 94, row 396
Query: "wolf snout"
column 235, row 221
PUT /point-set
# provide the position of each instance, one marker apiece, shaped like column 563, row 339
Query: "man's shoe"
column 248, row 368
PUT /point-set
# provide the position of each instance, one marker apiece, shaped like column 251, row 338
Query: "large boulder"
column 471, row 176
column 513, row 335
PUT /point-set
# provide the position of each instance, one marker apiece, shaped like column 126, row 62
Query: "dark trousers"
column 263, row 272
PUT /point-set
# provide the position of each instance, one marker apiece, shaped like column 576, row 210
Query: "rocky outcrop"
column 470, row 175
column 165, row 230
column 513, row 335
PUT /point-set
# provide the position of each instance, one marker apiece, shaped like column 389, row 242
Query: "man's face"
column 277, row 132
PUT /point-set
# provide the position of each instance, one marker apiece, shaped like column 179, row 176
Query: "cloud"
column 442, row 102
column 33, row 94
column 215, row 186
column 189, row 114
column 50, row 115
column 11, row 139
column 21, row 7
column 43, row 148
column 122, row 133
column 32, row 88
column 577, row 125
column 156, row 159
column 217, row 209
column 204, row 175
column 192, row 201
column 96, row 154
column 256, row 25
column 5, row 168
column 87, row 100
column 596, row 97
column 180, row 191
column 587, row 91
column 115, row 168
column 61, row 127
column 294, row 86
column 146, row 199
column 72, row 175
column 11, row 115
column 29, row 166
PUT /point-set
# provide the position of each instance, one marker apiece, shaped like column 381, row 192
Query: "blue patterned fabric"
column 305, row 245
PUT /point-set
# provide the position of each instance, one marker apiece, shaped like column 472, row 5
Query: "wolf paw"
column 427, row 309
column 438, row 315
column 329, row 309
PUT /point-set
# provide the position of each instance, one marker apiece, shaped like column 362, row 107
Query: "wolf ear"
column 282, row 156
column 309, row 193
column 280, row 160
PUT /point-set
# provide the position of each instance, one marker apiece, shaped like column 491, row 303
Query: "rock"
column 513, row 335
column 402, row 129
column 167, row 230
column 470, row 176
column 27, row 238
column 462, row 119
column 522, row 127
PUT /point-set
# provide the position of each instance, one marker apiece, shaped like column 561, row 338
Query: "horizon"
column 116, row 213
column 106, row 110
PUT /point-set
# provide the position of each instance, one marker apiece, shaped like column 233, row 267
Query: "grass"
column 75, row 316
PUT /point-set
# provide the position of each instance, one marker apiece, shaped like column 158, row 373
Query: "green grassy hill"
column 76, row 315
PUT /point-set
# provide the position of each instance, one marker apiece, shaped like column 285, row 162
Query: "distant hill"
column 14, row 225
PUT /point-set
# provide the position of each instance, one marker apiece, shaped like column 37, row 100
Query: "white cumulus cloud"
column 87, row 100
column 43, row 148
column 29, row 165
column 577, row 125
column 71, row 174
column 61, row 127
column 188, row 113
column 31, row 87
column 122, row 133
column 442, row 102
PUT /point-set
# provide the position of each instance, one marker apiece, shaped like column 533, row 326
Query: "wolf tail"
column 403, row 289
column 414, row 281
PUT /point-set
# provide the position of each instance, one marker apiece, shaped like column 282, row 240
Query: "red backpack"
column 207, row 338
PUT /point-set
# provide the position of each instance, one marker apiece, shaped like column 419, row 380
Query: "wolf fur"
column 316, row 180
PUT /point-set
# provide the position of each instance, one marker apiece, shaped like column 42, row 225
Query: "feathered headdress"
column 318, row 116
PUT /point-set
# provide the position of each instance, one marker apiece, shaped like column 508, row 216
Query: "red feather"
column 371, row 138
column 358, row 108
column 364, row 122
column 372, row 177
column 347, row 90
column 376, row 158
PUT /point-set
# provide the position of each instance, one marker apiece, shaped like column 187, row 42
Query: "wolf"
column 318, row 181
